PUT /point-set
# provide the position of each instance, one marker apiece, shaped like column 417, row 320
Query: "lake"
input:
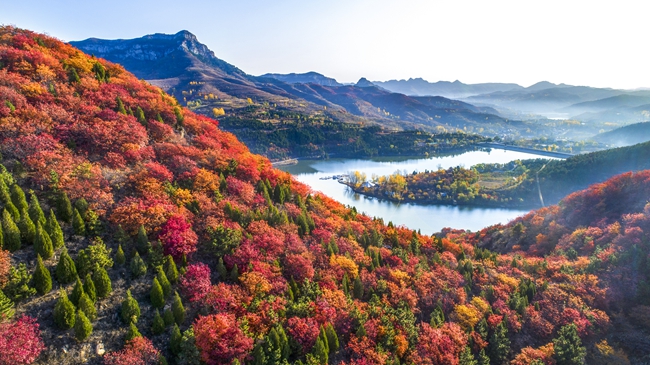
column 427, row 218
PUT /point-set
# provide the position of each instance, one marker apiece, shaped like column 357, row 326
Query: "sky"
column 591, row 43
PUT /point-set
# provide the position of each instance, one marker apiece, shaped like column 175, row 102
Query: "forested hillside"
column 137, row 232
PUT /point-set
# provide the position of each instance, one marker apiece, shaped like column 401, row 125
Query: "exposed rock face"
column 158, row 56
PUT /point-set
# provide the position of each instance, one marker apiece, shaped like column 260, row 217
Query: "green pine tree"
column 132, row 332
column 323, row 338
column 43, row 244
column 11, row 232
column 18, row 287
column 76, row 292
column 102, row 282
column 83, row 263
column 483, row 358
column 467, row 358
column 142, row 243
column 64, row 207
column 171, row 271
column 189, row 354
column 320, row 351
column 82, row 326
column 35, row 211
column 158, row 325
column 168, row 317
column 5, row 195
column 78, row 224
column 156, row 294
column 332, row 338
column 361, row 331
column 54, row 230
column 221, row 269
column 120, row 259
column 15, row 213
column 499, row 346
column 89, row 288
column 130, row 311
column 2, row 235
column 568, row 346
column 18, row 198
column 7, row 310
column 358, row 289
column 178, row 309
column 42, row 278
column 27, row 228
column 81, row 205
column 66, row 271
column 437, row 318
column 234, row 274
column 138, row 267
column 88, row 307
column 64, row 312
column 139, row 114
column 164, row 283
column 175, row 340
column 120, row 106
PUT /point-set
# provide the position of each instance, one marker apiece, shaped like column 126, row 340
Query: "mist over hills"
column 183, row 66
column 625, row 136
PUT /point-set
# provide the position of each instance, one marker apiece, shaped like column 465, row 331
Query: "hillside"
column 188, row 246
column 205, row 83
column 625, row 136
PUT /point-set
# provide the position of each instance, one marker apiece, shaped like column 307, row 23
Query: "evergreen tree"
column 158, row 325
column 221, row 269
column 89, row 288
column 139, row 114
column 64, row 207
column 189, row 354
column 120, row 259
column 332, row 338
column 568, row 346
column 66, row 271
column 132, row 332
column 2, row 236
column 178, row 309
column 82, row 326
column 437, row 318
column 64, row 312
column 361, row 331
column 320, row 351
column 76, row 292
column 54, row 230
column 35, row 211
column 43, row 244
column 130, row 311
column 234, row 274
column 142, row 243
column 81, row 205
column 467, row 358
column 7, row 310
column 18, row 287
column 5, row 196
column 156, row 294
column 42, row 278
column 171, row 271
column 345, row 284
column 168, row 317
column 323, row 338
column 102, row 282
column 358, row 289
column 88, row 307
column 175, row 340
column 27, row 228
column 122, row 237
column 138, row 267
column 15, row 213
column 10, row 232
column 120, row 106
column 78, row 224
column 164, row 283
column 18, row 198
column 83, row 263
column 499, row 346
column 483, row 358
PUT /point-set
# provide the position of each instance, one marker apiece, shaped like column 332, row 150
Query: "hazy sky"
column 576, row 42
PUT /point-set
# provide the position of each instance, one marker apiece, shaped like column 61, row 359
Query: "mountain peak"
column 363, row 82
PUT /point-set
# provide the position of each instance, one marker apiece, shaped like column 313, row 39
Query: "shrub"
column 41, row 277
column 7, row 310
column 18, row 287
column 66, row 271
column 138, row 267
column 64, row 312
column 132, row 332
column 139, row 350
column 20, row 341
column 120, row 259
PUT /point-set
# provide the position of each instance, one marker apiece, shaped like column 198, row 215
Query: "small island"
column 483, row 185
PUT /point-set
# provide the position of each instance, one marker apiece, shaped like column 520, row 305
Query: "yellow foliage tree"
column 467, row 316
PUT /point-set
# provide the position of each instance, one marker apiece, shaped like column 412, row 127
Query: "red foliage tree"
column 220, row 340
column 138, row 351
column 195, row 284
column 20, row 341
column 177, row 236
column 440, row 345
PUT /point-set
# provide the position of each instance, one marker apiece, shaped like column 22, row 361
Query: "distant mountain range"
column 447, row 89
column 625, row 136
column 189, row 70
